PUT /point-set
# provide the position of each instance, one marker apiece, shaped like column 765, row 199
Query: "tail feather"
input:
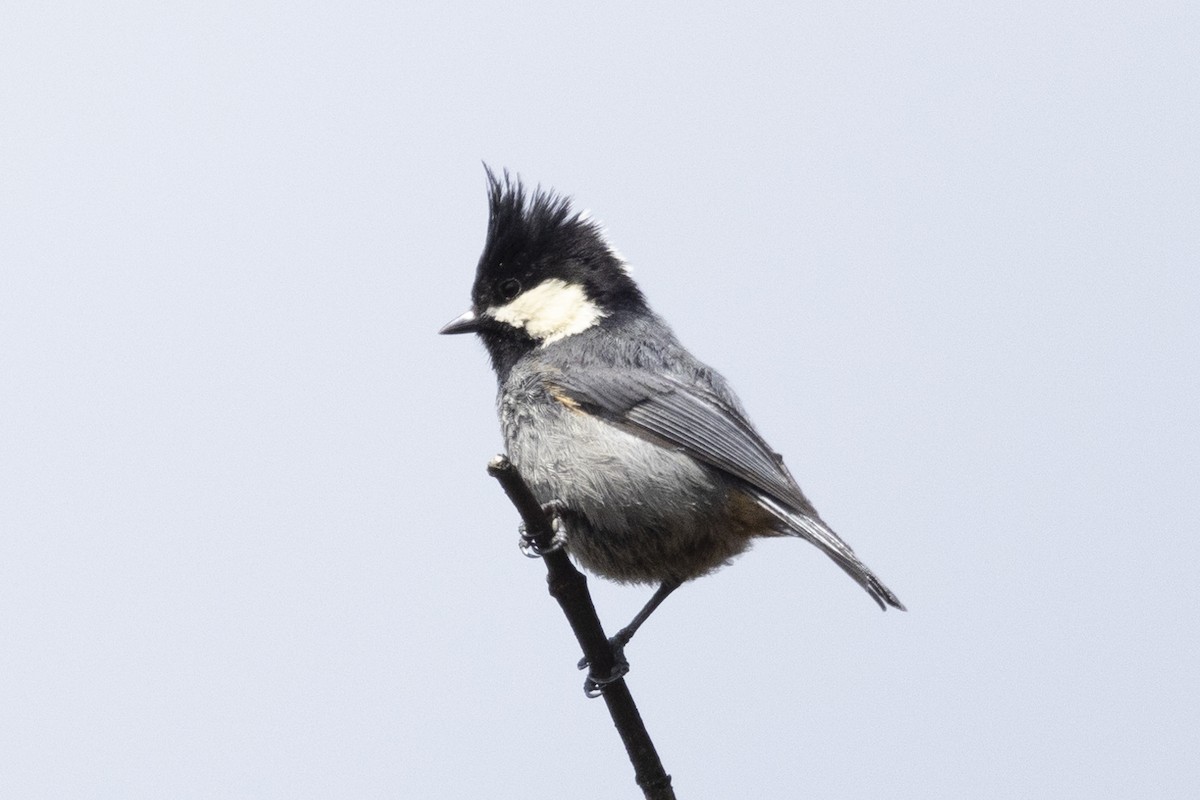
column 821, row 535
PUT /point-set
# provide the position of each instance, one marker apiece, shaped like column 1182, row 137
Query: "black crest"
column 536, row 234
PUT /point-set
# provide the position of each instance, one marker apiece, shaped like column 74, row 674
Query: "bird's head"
column 547, row 272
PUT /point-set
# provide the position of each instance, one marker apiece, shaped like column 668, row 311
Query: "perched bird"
column 643, row 451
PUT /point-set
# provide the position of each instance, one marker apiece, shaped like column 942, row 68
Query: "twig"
column 569, row 587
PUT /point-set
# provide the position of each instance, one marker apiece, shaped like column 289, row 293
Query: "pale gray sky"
column 947, row 254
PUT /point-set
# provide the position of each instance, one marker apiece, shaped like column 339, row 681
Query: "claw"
column 593, row 685
column 525, row 542
column 529, row 547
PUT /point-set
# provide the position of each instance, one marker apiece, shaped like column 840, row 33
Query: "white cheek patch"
column 552, row 310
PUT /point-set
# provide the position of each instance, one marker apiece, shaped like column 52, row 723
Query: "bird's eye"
column 509, row 288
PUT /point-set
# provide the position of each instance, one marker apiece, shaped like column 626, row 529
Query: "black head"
column 547, row 272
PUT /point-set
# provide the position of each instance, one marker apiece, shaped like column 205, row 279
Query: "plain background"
column 948, row 254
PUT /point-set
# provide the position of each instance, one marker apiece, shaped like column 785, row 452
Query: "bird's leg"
column 625, row 634
column 594, row 684
column 529, row 547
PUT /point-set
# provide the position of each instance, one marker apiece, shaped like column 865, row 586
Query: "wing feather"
column 688, row 417
column 711, row 428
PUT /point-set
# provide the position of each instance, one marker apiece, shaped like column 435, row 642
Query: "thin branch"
column 569, row 587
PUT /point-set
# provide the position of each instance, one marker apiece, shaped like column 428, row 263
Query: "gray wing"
column 711, row 429
column 686, row 416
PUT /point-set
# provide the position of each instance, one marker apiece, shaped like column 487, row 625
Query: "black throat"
column 506, row 348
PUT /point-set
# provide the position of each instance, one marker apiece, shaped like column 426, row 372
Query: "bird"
column 643, row 453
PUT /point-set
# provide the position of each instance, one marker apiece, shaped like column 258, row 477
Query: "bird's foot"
column 528, row 544
column 594, row 684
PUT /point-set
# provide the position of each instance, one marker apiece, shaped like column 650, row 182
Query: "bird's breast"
column 641, row 512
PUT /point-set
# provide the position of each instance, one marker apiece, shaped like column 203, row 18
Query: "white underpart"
column 552, row 310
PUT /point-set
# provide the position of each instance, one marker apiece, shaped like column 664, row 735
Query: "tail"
column 820, row 534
